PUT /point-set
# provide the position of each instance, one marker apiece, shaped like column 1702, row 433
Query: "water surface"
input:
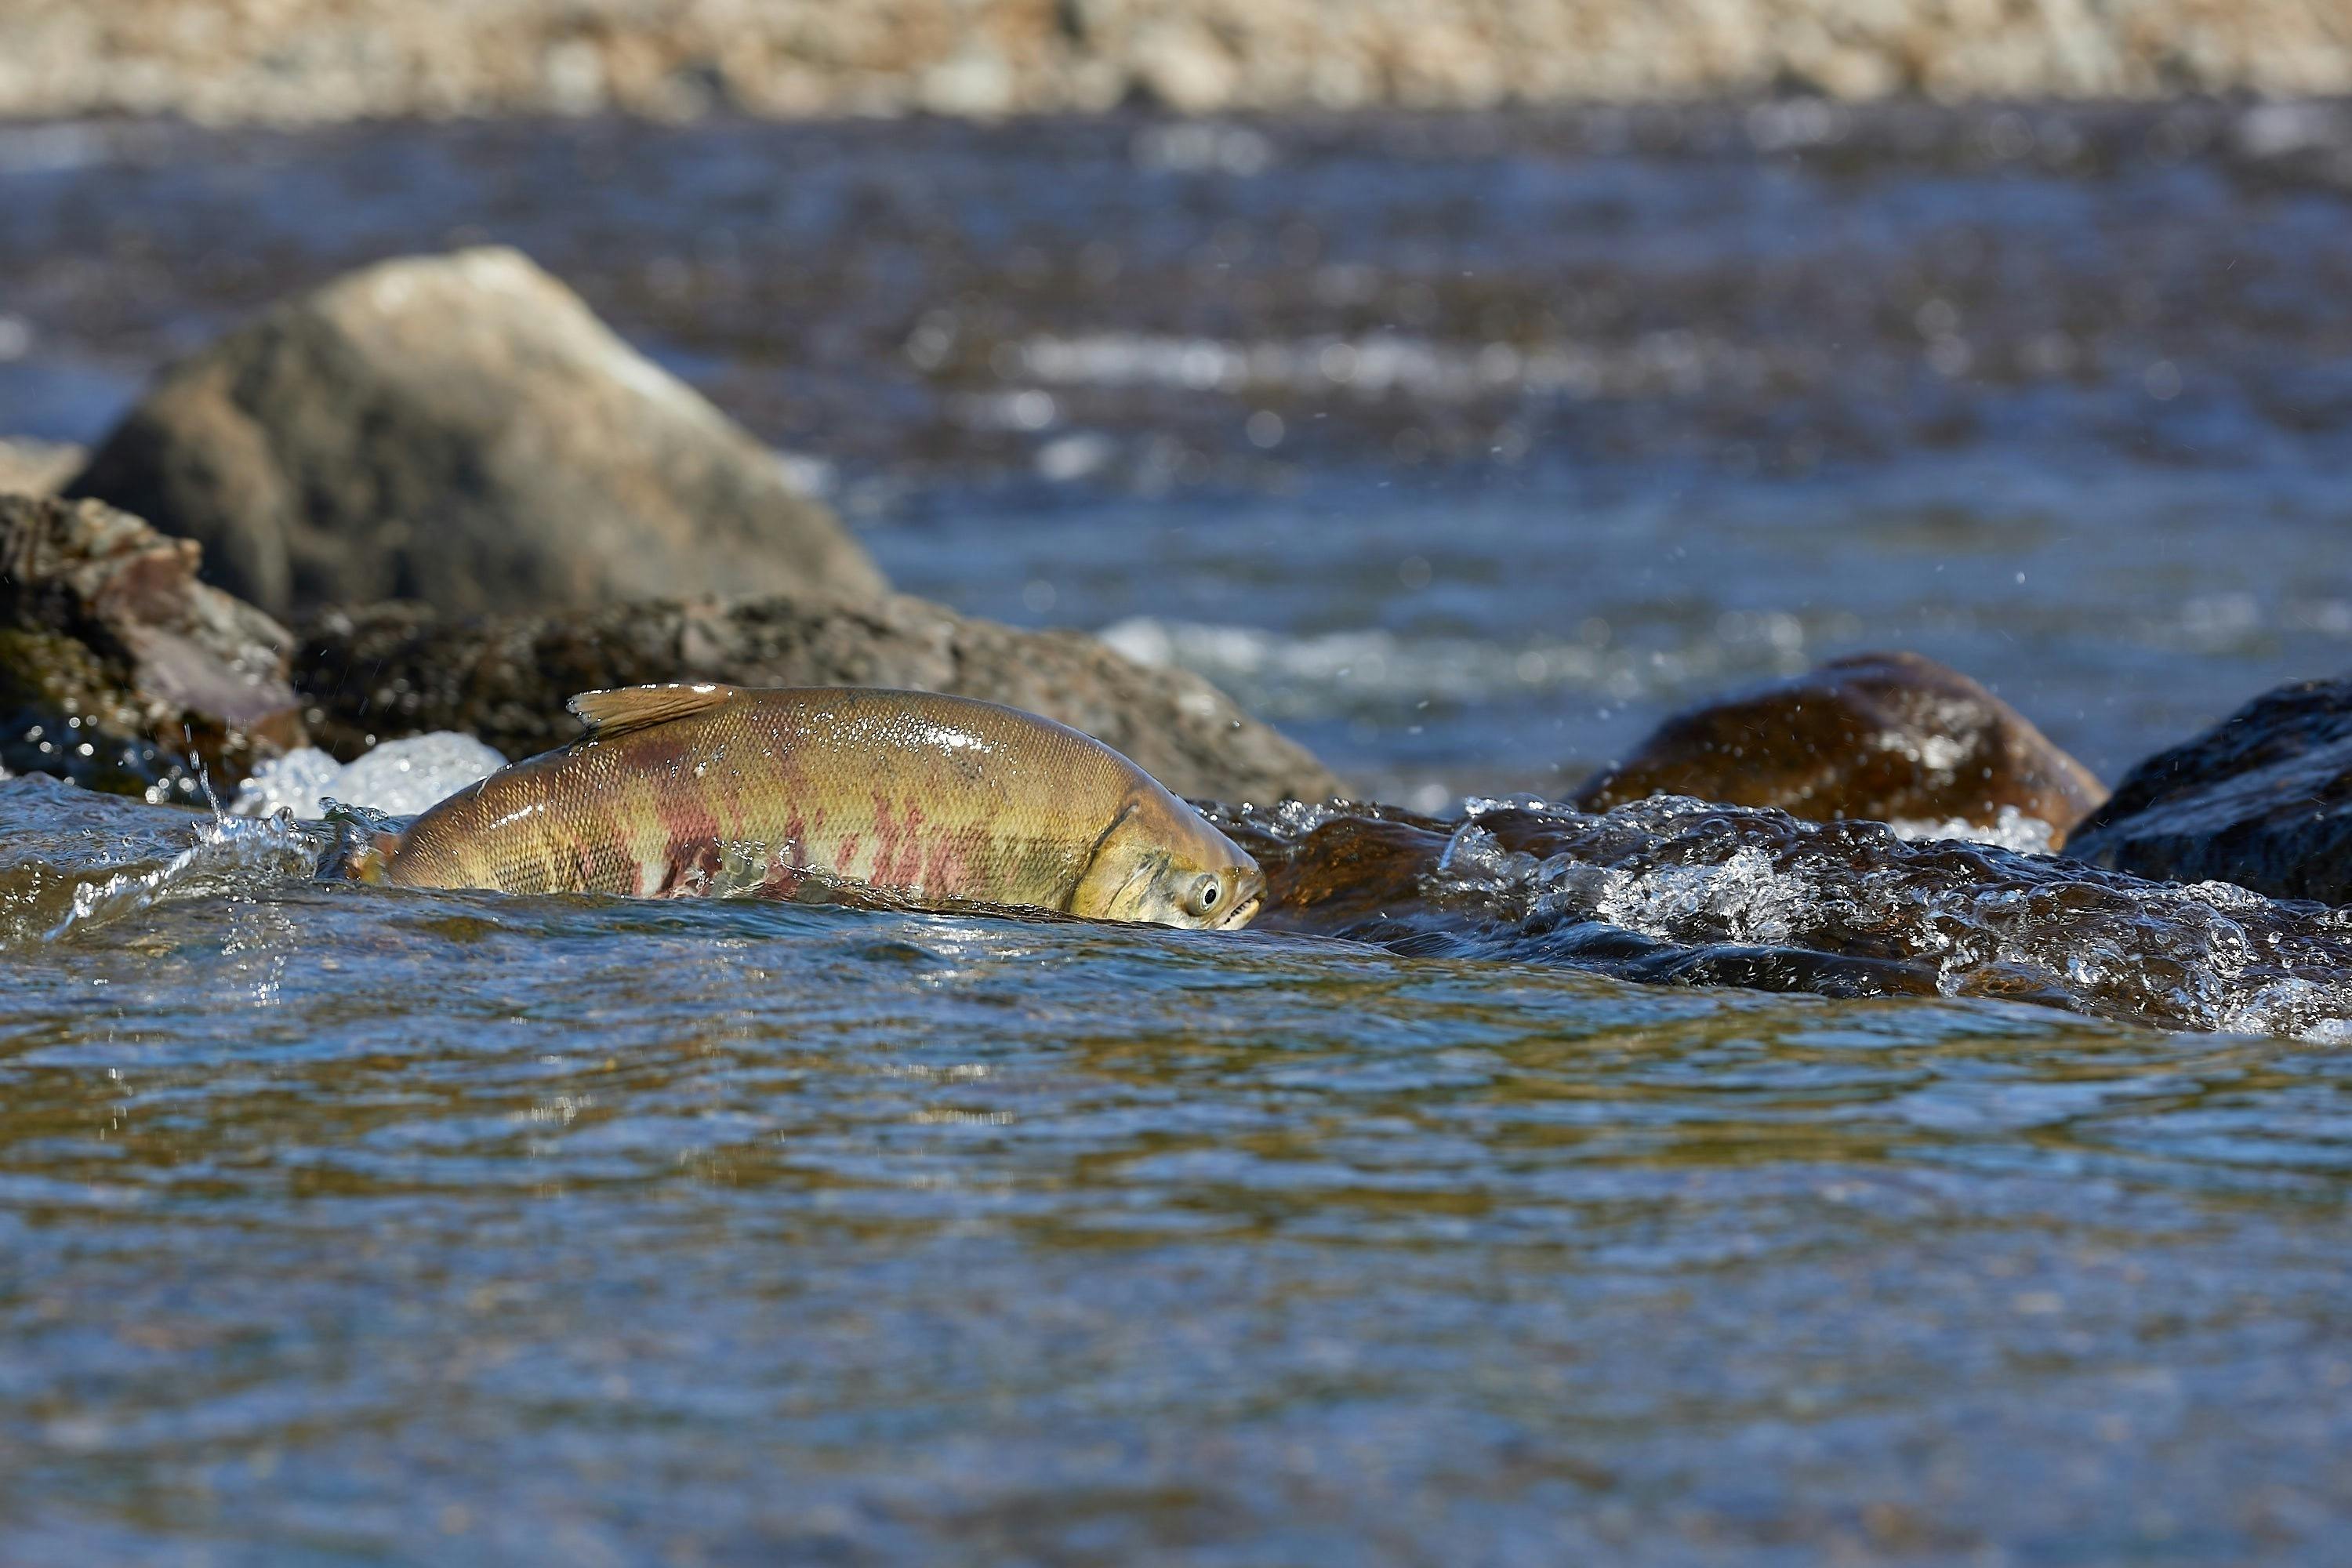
column 341, row 1224
column 348, row 1225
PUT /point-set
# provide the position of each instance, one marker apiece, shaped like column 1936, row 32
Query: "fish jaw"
column 1249, row 896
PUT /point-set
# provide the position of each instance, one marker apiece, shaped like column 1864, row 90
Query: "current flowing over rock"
column 1682, row 891
column 1665, row 891
column 1880, row 737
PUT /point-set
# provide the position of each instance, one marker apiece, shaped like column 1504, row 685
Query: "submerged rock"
column 118, row 669
column 396, row 669
column 460, row 430
column 1881, row 737
column 2263, row 799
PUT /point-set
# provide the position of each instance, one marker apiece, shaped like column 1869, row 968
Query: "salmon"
column 932, row 801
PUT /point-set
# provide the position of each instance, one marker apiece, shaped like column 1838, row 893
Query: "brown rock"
column 460, row 430
column 2263, row 799
column 1340, row 870
column 1884, row 737
column 118, row 669
column 399, row 669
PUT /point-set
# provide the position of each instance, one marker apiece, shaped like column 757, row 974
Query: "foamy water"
column 398, row 778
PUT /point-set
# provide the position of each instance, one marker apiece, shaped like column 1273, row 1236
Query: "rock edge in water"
column 1671, row 890
column 373, row 673
column 2263, row 799
column 1878, row 737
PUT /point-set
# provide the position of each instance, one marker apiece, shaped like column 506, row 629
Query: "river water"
column 1994, row 1215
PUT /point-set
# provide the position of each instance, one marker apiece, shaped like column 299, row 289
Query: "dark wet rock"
column 460, row 430
column 1678, row 891
column 118, row 669
column 1881, row 737
column 2263, row 799
column 1341, row 867
column 391, row 670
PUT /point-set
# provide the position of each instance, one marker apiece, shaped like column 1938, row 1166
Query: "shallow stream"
column 1677, row 1187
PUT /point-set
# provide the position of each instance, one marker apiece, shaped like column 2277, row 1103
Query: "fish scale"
column 686, row 790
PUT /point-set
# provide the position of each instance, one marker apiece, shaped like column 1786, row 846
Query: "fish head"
column 1162, row 863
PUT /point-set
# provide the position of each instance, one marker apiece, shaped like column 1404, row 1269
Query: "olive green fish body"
column 683, row 791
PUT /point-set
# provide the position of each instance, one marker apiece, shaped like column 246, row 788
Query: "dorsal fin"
column 627, row 710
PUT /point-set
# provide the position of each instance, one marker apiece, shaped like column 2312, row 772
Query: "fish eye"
column 1204, row 895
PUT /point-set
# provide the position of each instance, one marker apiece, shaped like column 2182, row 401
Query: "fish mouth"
column 1241, row 914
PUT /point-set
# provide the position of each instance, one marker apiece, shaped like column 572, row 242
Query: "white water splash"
column 2013, row 830
column 229, row 853
column 399, row 778
column 1986, row 919
column 1380, row 363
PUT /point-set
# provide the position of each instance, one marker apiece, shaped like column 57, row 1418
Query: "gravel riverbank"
column 310, row 60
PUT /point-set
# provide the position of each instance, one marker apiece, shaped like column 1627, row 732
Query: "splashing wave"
column 73, row 861
column 1681, row 890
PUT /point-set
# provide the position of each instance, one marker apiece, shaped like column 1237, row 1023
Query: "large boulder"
column 2263, row 799
column 118, row 669
column 1883, row 737
column 460, row 430
column 397, row 669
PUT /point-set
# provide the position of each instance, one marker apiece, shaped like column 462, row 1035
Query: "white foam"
column 1745, row 897
column 2013, row 829
column 1375, row 364
column 2206, row 956
column 290, row 783
column 1203, row 147
column 228, row 852
column 399, row 778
